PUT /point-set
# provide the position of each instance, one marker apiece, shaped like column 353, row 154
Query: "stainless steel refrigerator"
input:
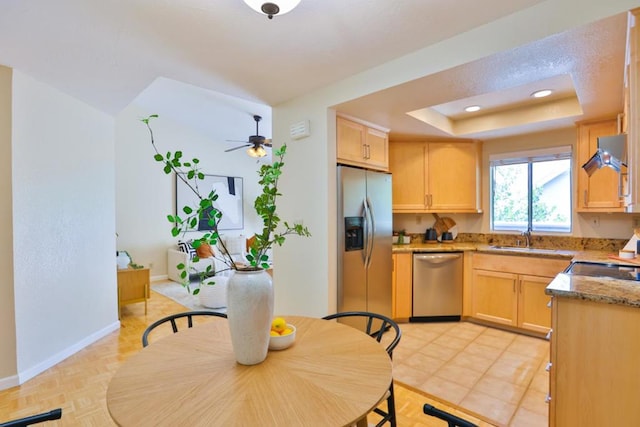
column 364, row 241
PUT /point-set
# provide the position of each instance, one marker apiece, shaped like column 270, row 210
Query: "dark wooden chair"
column 55, row 414
column 376, row 325
column 451, row 419
column 174, row 325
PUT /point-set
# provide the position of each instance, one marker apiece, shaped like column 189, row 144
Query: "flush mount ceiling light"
column 279, row 7
column 472, row 108
column 542, row 93
column 257, row 151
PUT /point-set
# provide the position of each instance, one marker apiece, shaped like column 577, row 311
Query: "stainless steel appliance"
column 437, row 286
column 612, row 152
column 364, row 240
column 614, row 271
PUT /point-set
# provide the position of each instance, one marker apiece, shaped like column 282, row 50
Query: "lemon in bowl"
column 280, row 341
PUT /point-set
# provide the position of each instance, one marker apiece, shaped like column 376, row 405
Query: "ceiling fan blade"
column 237, row 148
column 237, row 140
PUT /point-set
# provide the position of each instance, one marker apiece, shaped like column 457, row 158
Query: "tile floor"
column 497, row 375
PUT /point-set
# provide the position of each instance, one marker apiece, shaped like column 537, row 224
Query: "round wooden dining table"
column 333, row 375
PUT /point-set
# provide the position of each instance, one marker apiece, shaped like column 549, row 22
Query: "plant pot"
column 250, row 312
column 214, row 296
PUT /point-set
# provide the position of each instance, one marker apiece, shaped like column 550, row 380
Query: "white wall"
column 8, row 361
column 145, row 195
column 64, row 223
column 304, row 277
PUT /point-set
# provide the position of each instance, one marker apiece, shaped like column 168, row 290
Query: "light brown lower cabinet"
column 595, row 364
column 509, row 290
column 402, row 281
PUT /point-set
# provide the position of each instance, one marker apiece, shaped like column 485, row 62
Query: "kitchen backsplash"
column 541, row 242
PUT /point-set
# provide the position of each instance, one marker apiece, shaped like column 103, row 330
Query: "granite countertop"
column 484, row 248
column 434, row 247
column 597, row 289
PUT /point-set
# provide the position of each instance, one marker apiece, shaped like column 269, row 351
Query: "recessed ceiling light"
column 541, row 93
column 472, row 108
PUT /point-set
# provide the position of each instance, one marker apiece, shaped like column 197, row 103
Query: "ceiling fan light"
column 256, row 151
column 272, row 8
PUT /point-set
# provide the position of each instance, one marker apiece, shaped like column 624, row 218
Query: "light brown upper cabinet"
column 599, row 192
column 362, row 145
column 631, row 122
column 436, row 176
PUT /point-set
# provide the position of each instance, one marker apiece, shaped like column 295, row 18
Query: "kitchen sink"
column 524, row 249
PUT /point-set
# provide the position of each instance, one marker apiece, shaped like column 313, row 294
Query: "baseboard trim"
column 27, row 374
column 159, row 277
column 9, row 382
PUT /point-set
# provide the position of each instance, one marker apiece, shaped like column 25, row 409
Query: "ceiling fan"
column 256, row 143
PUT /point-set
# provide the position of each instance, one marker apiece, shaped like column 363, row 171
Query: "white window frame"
column 529, row 157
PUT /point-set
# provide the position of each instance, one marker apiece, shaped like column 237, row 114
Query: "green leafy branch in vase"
column 190, row 174
column 265, row 206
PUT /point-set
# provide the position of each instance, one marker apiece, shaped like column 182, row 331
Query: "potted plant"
column 250, row 292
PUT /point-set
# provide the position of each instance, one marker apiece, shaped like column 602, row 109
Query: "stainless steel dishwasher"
column 437, row 286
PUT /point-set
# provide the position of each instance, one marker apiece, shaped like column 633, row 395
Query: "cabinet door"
column 533, row 312
column 407, row 165
column 377, row 148
column 494, row 296
column 600, row 191
column 350, row 141
column 403, row 282
column 133, row 285
column 631, row 124
column 453, row 176
column 595, row 376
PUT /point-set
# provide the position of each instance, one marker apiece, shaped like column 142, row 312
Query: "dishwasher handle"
column 436, row 259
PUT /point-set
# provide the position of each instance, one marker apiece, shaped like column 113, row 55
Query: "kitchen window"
column 531, row 190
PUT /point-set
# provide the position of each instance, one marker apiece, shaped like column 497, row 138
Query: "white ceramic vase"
column 122, row 260
column 250, row 311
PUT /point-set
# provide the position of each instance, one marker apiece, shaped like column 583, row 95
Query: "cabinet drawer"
column 529, row 265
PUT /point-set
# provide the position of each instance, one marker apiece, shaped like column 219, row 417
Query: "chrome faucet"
column 527, row 236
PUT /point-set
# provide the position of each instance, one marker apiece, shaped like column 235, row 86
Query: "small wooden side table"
column 133, row 286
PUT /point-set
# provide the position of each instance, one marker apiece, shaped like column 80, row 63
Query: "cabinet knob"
column 550, row 303
column 547, row 399
column 548, row 367
column 548, row 337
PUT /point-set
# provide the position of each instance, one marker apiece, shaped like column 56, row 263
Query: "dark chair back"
column 376, row 325
column 451, row 419
column 174, row 325
column 55, row 414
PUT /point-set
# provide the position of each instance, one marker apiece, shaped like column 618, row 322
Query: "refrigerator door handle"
column 370, row 231
column 367, row 242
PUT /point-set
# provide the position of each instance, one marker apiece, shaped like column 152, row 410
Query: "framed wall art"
column 229, row 191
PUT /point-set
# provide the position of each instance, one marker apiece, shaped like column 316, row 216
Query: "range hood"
column 611, row 152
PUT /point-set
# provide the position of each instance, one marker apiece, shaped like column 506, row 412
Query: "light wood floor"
column 78, row 384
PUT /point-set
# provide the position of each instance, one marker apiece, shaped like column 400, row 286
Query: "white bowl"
column 283, row 341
